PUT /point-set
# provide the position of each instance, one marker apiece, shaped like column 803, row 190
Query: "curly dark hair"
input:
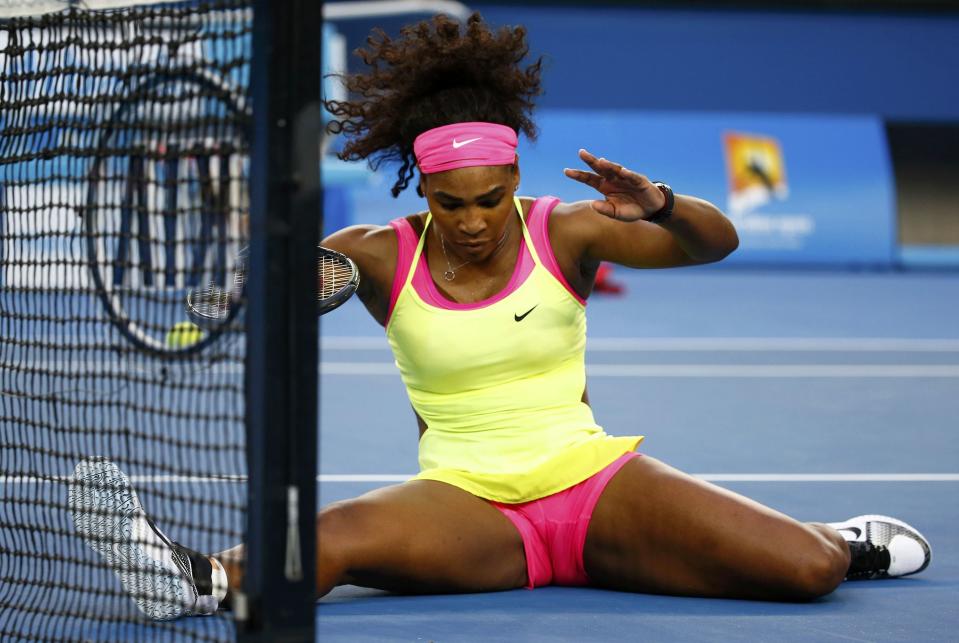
column 436, row 73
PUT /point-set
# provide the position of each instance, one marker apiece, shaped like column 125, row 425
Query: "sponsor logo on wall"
column 757, row 182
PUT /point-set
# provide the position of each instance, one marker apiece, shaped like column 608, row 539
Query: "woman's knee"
column 823, row 564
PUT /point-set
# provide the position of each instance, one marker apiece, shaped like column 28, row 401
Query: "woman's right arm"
column 373, row 249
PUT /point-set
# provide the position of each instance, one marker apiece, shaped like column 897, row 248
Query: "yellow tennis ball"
column 183, row 334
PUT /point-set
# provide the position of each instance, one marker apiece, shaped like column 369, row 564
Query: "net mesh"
column 124, row 153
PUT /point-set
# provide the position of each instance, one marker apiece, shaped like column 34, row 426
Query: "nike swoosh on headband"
column 459, row 144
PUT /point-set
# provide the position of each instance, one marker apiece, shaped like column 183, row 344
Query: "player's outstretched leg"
column 883, row 547
column 658, row 530
column 165, row 579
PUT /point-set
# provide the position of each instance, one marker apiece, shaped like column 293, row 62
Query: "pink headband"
column 464, row 145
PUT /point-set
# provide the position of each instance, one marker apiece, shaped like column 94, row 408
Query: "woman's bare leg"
column 421, row 536
column 658, row 530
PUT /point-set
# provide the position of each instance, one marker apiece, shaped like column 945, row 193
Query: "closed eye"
column 488, row 200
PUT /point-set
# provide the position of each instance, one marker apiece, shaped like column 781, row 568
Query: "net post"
column 279, row 592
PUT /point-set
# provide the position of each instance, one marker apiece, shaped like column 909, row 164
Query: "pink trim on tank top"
column 405, row 247
column 425, row 287
column 539, row 233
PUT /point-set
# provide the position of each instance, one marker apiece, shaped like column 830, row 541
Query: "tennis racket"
column 167, row 198
column 212, row 305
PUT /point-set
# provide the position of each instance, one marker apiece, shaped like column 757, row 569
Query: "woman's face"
column 471, row 207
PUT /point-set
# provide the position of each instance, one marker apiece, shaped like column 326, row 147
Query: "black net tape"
column 124, row 157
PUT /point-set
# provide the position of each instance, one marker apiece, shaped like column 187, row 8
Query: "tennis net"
column 124, row 160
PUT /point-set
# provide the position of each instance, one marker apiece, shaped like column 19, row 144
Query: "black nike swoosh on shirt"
column 520, row 318
column 856, row 530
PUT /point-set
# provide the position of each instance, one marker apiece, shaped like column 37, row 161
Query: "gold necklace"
column 450, row 273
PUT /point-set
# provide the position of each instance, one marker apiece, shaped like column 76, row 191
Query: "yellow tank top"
column 500, row 385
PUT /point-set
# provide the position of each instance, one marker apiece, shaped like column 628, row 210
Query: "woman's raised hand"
column 628, row 195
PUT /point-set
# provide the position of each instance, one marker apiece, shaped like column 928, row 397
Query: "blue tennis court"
column 821, row 394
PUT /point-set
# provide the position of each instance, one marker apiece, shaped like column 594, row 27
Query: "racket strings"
column 239, row 276
column 212, row 302
column 334, row 274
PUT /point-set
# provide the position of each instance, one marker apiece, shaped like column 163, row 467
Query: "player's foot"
column 883, row 547
column 165, row 579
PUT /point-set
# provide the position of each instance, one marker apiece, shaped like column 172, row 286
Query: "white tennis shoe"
column 883, row 547
column 157, row 572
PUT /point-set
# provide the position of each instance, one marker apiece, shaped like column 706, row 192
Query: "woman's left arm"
column 617, row 228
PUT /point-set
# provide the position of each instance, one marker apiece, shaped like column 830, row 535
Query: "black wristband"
column 667, row 210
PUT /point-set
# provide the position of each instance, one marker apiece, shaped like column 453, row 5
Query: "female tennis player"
column 483, row 298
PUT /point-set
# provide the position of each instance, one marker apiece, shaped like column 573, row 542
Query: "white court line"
column 773, row 344
column 773, row 370
column 660, row 344
column 718, row 477
column 829, row 477
column 681, row 344
column 703, row 370
column 133, row 479
column 73, row 369
column 391, row 477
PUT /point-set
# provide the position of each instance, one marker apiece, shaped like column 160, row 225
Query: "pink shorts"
column 554, row 528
